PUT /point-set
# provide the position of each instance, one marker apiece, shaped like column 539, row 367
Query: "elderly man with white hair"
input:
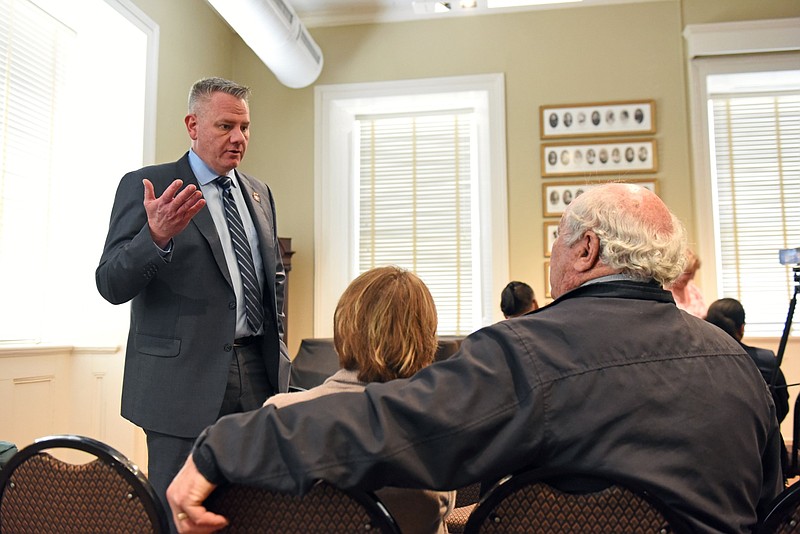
column 611, row 375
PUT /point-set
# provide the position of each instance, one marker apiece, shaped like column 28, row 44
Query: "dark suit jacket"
column 768, row 365
column 183, row 313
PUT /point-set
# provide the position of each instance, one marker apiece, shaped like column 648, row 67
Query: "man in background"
column 193, row 245
column 611, row 376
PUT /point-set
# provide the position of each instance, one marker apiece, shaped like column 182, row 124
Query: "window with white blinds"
column 413, row 173
column 61, row 159
column 34, row 56
column 416, row 206
column 756, row 167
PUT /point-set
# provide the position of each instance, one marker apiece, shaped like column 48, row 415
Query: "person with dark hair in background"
column 611, row 376
column 193, row 245
column 728, row 314
column 384, row 328
column 517, row 299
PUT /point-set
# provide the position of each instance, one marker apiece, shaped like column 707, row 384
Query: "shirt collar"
column 614, row 278
column 205, row 174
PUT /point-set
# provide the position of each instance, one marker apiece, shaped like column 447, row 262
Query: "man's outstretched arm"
column 186, row 495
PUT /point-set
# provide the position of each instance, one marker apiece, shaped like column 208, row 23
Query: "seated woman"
column 384, row 327
column 517, row 299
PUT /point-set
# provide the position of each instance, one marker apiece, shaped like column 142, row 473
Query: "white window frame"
column 335, row 192
column 720, row 49
column 148, row 26
column 150, row 29
column 58, row 326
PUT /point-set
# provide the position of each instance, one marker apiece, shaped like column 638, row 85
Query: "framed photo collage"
column 585, row 145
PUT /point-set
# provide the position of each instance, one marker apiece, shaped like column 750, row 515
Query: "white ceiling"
column 315, row 13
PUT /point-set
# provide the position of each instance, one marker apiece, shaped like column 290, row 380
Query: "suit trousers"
column 247, row 389
column 248, row 384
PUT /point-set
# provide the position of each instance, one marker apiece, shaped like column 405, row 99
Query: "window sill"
column 16, row 349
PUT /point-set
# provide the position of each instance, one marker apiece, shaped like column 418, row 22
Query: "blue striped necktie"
column 244, row 257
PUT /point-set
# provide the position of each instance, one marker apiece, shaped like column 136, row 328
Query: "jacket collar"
column 626, row 289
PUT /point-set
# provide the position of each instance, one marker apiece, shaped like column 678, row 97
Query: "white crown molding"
column 729, row 38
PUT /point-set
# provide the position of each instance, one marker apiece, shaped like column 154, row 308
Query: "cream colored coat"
column 415, row 511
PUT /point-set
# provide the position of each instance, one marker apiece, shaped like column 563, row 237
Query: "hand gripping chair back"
column 324, row 508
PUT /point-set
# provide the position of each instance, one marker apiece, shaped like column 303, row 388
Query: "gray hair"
column 629, row 243
column 203, row 89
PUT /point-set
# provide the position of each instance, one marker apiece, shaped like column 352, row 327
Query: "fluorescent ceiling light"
column 491, row 4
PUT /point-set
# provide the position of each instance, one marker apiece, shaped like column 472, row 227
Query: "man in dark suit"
column 206, row 328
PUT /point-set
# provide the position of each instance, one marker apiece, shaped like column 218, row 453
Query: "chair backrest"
column 324, row 508
column 40, row 493
column 783, row 515
column 466, row 500
column 531, row 502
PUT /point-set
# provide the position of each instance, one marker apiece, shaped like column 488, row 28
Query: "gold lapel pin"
column 256, row 197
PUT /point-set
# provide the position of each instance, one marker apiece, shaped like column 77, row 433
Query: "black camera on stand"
column 790, row 256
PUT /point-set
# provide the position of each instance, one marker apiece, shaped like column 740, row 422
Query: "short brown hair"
column 385, row 324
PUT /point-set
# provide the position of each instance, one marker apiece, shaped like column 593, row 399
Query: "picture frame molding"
column 548, row 227
column 553, row 119
column 547, row 292
column 576, row 164
column 549, row 187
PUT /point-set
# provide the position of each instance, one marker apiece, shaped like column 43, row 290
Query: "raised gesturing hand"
column 170, row 213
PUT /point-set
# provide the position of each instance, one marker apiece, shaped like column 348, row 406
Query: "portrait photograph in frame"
column 550, row 235
column 547, row 293
column 600, row 157
column 627, row 117
column 556, row 196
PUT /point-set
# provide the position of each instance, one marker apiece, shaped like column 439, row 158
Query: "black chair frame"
column 779, row 516
column 106, row 454
column 589, row 482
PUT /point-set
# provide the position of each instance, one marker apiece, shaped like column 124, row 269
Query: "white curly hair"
column 636, row 245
